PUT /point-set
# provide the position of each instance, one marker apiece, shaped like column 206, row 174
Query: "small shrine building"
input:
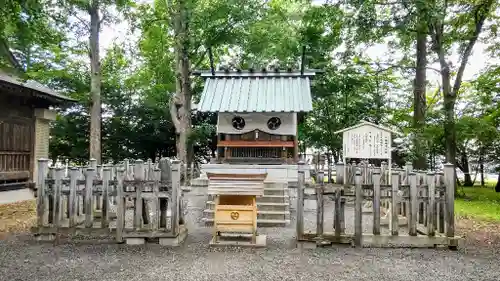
column 258, row 114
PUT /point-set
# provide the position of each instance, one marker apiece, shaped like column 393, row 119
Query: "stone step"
column 273, row 199
column 275, row 191
column 199, row 182
column 270, row 199
column 265, row 215
column 260, row 222
column 267, row 190
column 262, row 206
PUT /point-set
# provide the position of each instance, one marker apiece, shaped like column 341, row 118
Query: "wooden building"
column 258, row 113
column 24, row 128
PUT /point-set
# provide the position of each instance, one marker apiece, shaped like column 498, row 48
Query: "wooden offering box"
column 235, row 208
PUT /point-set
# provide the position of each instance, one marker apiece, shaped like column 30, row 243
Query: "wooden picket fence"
column 188, row 171
column 127, row 201
column 420, row 204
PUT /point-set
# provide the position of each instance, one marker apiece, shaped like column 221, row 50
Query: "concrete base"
column 305, row 245
column 17, row 195
column 135, row 241
column 274, row 172
column 176, row 241
column 261, row 241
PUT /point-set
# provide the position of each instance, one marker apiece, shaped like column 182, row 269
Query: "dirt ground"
column 478, row 234
column 17, row 217
column 22, row 258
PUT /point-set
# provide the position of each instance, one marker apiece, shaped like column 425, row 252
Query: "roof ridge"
column 32, row 85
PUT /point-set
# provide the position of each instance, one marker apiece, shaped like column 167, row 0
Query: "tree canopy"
column 146, row 87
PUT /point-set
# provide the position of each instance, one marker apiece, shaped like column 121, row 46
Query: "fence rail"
column 188, row 171
column 142, row 200
column 420, row 204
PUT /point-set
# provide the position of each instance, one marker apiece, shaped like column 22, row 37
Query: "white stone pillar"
column 43, row 117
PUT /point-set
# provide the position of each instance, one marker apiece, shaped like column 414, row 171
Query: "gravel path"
column 23, row 259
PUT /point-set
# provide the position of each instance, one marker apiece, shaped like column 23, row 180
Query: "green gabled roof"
column 256, row 92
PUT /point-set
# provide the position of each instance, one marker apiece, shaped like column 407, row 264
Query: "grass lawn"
column 479, row 203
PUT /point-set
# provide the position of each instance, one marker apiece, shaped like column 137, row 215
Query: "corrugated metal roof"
column 256, row 92
column 248, row 73
column 33, row 85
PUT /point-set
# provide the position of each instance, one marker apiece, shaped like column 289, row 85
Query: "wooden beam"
column 16, row 175
column 295, row 149
column 217, row 155
column 239, row 143
column 33, row 160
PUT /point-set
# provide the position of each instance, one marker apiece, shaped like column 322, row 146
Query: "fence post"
column 106, row 176
column 329, row 171
column 165, row 180
column 376, row 201
column 340, row 173
column 412, row 217
column 126, row 166
column 184, row 168
column 191, row 172
column 120, row 211
column 41, row 186
column 383, row 170
column 89, row 182
column 149, row 174
column 113, row 178
column 176, row 190
column 394, row 205
column 97, row 168
column 319, row 203
column 431, row 193
column 340, row 179
column 80, row 202
column 408, row 169
column 300, row 200
column 50, row 196
column 449, row 178
column 73, row 177
column 441, row 204
column 156, row 175
column 138, row 178
column 358, row 210
column 57, row 196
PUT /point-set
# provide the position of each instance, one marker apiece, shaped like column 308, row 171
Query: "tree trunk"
column 481, row 165
column 481, row 13
column 466, row 170
column 449, row 99
column 419, row 103
column 449, row 128
column 180, row 109
column 95, row 83
column 336, row 156
column 497, row 187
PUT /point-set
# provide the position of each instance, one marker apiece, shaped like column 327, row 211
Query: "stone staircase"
column 273, row 209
